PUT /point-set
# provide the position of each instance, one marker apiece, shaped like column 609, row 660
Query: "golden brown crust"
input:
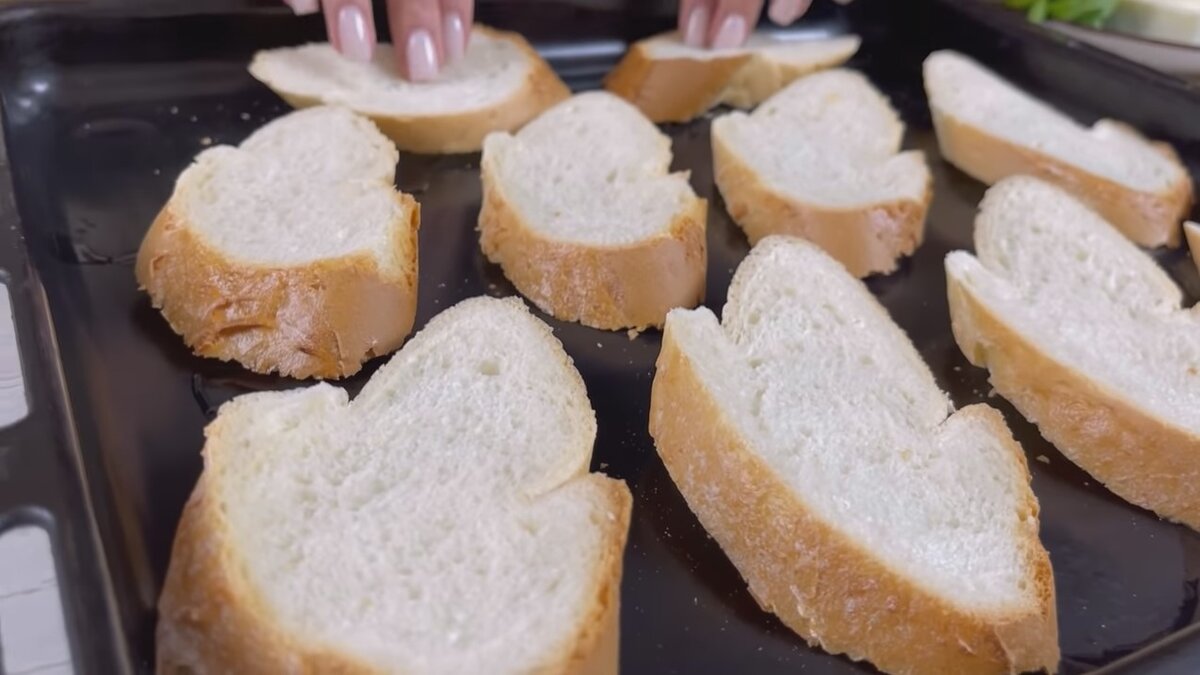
column 320, row 319
column 607, row 287
column 866, row 240
column 1148, row 219
column 212, row 620
column 1192, row 230
column 465, row 131
column 672, row 90
column 1138, row 456
column 681, row 89
column 821, row 584
column 596, row 647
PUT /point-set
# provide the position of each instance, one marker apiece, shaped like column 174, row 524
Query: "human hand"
column 426, row 34
column 724, row 24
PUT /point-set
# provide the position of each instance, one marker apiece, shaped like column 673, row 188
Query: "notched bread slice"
column 498, row 85
column 291, row 253
column 821, row 160
column 444, row 521
column 1086, row 335
column 582, row 213
column 992, row 130
column 812, row 442
column 672, row 82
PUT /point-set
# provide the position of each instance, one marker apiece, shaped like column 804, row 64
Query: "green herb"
column 1087, row 12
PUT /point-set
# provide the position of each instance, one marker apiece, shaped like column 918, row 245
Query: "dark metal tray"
column 106, row 102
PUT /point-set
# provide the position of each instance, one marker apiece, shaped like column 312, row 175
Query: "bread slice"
column 581, row 213
column 291, row 253
column 444, row 521
column 672, row 82
column 1192, row 230
column 1086, row 336
column 821, row 160
column 811, row 441
column 992, row 130
column 498, row 85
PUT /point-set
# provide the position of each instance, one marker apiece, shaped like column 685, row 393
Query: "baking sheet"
column 105, row 103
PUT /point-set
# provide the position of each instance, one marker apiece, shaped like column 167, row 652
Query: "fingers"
column 417, row 33
column 784, row 12
column 695, row 16
column 457, row 17
column 302, row 7
column 351, row 27
column 732, row 22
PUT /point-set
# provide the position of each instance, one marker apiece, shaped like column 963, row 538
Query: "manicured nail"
column 352, row 34
column 732, row 33
column 454, row 36
column 696, row 27
column 301, row 7
column 422, row 56
column 784, row 12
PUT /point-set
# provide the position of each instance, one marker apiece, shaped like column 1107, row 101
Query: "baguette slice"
column 292, row 253
column 672, row 82
column 992, row 130
column 1085, row 335
column 811, row 441
column 821, row 160
column 581, row 212
column 444, row 521
column 1192, row 231
column 500, row 84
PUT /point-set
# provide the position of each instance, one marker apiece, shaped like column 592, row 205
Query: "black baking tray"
column 105, row 102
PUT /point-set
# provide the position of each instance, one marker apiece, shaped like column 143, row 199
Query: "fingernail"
column 352, row 34
column 422, row 56
column 301, row 7
column 784, row 12
column 695, row 27
column 454, row 36
column 732, row 33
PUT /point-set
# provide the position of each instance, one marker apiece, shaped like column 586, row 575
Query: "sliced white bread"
column 444, row 521
column 672, row 82
column 582, row 213
column 498, row 85
column 821, row 160
column 813, row 444
column 1084, row 334
column 992, row 130
column 1192, row 230
column 291, row 253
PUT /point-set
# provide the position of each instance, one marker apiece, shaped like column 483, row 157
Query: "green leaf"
column 1087, row 12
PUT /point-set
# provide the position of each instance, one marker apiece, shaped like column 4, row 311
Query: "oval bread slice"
column 821, row 160
column 444, row 521
column 813, row 444
column 992, row 130
column 498, row 85
column 582, row 213
column 672, row 82
column 291, row 253
column 1086, row 335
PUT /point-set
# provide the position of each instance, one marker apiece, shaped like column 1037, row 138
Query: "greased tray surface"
column 104, row 104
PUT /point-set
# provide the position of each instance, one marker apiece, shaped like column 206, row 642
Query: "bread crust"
column 1143, row 459
column 321, row 319
column 672, row 90
column 682, row 89
column 1148, row 219
column 212, row 620
column 866, row 240
column 463, row 131
column 820, row 583
column 1192, row 231
column 607, row 287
